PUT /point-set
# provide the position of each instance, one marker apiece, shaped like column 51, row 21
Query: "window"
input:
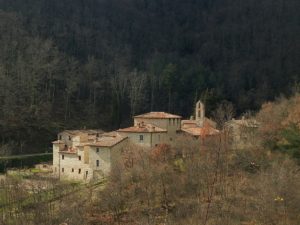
column 97, row 163
column 72, row 170
column 62, row 157
column 141, row 137
column 79, row 171
column 173, row 121
column 62, row 170
column 79, row 158
column 60, row 137
column 169, row 121
column 97, row 150
column 70, row 138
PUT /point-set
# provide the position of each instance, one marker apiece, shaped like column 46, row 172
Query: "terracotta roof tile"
column 69, row 150
column 143, row 128
column 105, row 140
column 201, row 131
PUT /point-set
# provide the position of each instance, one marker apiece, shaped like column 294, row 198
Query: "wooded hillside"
column 95, row 63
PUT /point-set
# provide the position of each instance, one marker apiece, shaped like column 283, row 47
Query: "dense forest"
column 95, row 63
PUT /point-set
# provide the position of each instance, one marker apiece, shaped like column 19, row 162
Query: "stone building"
column 146, row 135
column 199, row 125
column 85, row 154
column 153, row 128
column 88, row 154
column 243, row 132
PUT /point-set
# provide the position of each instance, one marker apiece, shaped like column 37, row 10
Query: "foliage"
column 279, row 125
column 213, row 184
column 95, row 63
column 291, row 141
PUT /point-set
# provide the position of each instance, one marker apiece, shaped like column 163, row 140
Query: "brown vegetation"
column 189, row 184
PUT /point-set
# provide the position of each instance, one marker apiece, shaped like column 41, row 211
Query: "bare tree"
column 137, row 83
column 224, row 112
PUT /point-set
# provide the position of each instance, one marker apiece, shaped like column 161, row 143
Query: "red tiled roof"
column 105, row 140
column 143, row 128
column 158, row 115
column 68, row 150
column 201, row 131
column 193, row 123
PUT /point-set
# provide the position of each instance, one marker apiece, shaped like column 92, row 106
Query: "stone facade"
column 87, row 159
column 242, row 132
column 153, row 128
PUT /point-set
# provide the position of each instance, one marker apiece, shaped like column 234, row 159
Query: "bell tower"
column 200, row 111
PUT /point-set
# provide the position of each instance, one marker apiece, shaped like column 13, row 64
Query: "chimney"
column 152, row 128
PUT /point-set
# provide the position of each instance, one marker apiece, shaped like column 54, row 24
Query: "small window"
column 62, row 157
column 79, row 171
column 97, row 150
column 97, row 163
column 173, row 121
column 141, row 137
column 70, row 138
column 171, row 139
column 60, row 137
column 72, row 170
column 62, row 170
column 97, row 135
column 169, row 121
column 79, row 158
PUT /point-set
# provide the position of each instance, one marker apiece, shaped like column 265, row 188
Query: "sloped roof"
column 158, row 115
column 105, row 140
column 201, row 131
column 193, row 123
column 143, row 128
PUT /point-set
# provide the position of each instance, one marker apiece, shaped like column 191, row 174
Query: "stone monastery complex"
column 89, row 154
